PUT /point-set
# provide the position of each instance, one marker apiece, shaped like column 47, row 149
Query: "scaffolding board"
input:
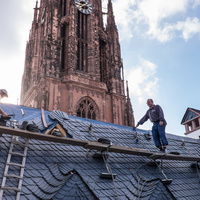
column 96, row 145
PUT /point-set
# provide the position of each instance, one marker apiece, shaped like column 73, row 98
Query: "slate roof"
column 58, row 171
column 190, row 114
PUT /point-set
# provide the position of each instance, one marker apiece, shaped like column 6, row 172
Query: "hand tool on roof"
column 4, row 118
column 8, row 116
column 136, row 135
column 6, row 121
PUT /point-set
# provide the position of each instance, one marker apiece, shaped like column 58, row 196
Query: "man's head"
column 3, row 93
column 150, row 103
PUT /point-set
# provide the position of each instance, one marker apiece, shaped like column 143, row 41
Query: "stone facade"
column 73, row 63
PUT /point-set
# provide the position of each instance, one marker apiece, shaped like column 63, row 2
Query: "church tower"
column 73, row 62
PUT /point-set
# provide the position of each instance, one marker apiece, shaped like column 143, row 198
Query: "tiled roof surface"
column 58, row 171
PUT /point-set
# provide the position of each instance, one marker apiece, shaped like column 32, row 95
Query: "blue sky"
column 160, row 44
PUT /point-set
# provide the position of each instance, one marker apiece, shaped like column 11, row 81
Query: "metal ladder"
column 6, row 177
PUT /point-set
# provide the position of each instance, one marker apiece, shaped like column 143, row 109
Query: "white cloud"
column 152, row 12
column 189, row 28
column 162, row 34
column 143, row 82
column 195, row 3
column 164, row 19
column 123, row 11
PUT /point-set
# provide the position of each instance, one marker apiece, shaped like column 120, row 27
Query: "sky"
column 160, row 46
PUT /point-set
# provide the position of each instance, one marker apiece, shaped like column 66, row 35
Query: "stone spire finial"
column 127, row 90
column 36, row 11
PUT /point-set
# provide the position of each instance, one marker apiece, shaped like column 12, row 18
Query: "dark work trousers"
column 158, row 133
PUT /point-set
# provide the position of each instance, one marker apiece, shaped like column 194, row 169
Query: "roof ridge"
column 195, row 110
column 186, row 113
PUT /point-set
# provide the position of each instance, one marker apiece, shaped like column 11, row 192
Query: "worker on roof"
column 3, row 93
column 156, row 115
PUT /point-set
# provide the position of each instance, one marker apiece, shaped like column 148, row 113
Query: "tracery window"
column 82, row 33
column 87, row 109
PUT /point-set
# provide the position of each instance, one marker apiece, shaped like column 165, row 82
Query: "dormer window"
column 191, row 121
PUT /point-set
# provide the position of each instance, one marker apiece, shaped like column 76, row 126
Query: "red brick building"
column 73, row 62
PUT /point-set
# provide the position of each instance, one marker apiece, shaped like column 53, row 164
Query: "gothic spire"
column 36, row 12
column 129, row 109
column 127, row 90
column 111, row 18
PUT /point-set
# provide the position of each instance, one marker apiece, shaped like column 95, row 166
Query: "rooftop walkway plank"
column 96, row 145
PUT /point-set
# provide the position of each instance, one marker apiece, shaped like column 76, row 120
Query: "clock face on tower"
column 84, row 6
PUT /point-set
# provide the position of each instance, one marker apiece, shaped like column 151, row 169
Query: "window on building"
column 87, row 108
column 102, row 51
column 82, row 33
column 190, row 126
column 196, row 122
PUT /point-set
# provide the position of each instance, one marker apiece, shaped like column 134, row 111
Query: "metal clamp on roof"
column 105, row 141
column 148, row 135
column 104, row 153
column 109, row 174
column 166, row 180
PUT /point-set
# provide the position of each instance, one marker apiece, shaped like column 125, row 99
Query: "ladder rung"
column 20, row 143
column 13, row 176
column 11, row 188
column 18, row 154
column 16, row 164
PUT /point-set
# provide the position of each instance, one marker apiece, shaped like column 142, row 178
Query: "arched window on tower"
column 87, row 108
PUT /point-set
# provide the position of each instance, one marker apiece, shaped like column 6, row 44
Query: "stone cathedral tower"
column 73, row 63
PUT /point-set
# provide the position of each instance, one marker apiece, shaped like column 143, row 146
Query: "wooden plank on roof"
column 117, row 149
column 139, row 152
column 41, row 136
column 57, row 126
column 61, row 130
column 163, row 156
column 43, row 118
column 96, row 145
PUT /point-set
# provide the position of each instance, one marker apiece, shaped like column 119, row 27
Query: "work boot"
column 165, row 149
column 161, row 150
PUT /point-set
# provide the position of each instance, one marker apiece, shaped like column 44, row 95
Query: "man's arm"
column 144, row 119
column 3, row 113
